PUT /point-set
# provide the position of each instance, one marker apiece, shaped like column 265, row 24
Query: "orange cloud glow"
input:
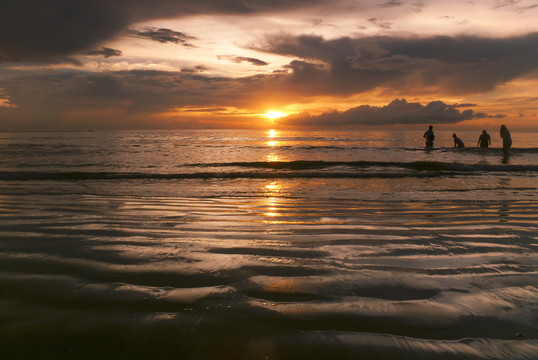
column 289, row 64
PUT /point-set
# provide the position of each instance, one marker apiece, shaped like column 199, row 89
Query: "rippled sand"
column 267, row 277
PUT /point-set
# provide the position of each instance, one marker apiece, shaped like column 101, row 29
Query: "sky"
column 289, row 64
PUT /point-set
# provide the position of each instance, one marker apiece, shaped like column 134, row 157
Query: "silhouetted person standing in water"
column 507, row 139
column 484, row 140
column 429, row 136
column 457, row 141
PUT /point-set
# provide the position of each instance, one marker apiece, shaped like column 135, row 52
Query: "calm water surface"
column 267, row 245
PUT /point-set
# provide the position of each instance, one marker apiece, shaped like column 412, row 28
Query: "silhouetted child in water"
column 507, row 139
column 457, row 141
column 429, row 136
column 484, row 140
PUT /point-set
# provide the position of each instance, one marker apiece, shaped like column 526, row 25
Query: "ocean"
column 244, row 244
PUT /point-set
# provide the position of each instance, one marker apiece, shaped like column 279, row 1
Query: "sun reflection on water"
column 272, row 135
column 273, row 187
column 271, row 209
column 272, row 190
column 272, row 143
column 272, row 158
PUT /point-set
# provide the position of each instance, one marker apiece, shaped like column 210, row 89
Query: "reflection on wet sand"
column 220, row 275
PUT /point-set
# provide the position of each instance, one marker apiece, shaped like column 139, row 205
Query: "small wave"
column 79, row 176
column 286, row 169
column 421, row 171
column 414, row 165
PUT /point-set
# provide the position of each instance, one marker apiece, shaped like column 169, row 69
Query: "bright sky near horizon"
column 166, row 64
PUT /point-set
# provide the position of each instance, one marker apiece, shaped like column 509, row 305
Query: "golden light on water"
column 272, row 158
column 272, row 143
column 272, row 190
column 273, row 187
column 271, row 210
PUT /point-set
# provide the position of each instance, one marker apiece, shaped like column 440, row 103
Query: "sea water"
column 267, row 244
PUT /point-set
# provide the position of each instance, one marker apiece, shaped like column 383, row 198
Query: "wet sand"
column 266, row 277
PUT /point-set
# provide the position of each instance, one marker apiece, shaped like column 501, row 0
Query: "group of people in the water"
column 484, row 141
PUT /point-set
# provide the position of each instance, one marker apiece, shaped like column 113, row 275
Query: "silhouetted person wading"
column 507, row 139
column 484, row 140
column 429, row 136
column 457, row 141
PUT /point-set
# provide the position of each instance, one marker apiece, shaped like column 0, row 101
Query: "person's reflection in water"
column 504, row 212
column 506, row 157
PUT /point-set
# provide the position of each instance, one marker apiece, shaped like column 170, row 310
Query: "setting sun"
column 274, row 114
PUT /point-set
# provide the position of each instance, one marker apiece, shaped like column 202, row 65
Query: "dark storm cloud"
column 241, row 59
column 38, row 30
column 399, row 111
column 162, row 35
column 452, row 65
column 106, row 52
column 42, row 30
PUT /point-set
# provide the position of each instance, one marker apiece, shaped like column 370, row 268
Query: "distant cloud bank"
column 398, row 112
